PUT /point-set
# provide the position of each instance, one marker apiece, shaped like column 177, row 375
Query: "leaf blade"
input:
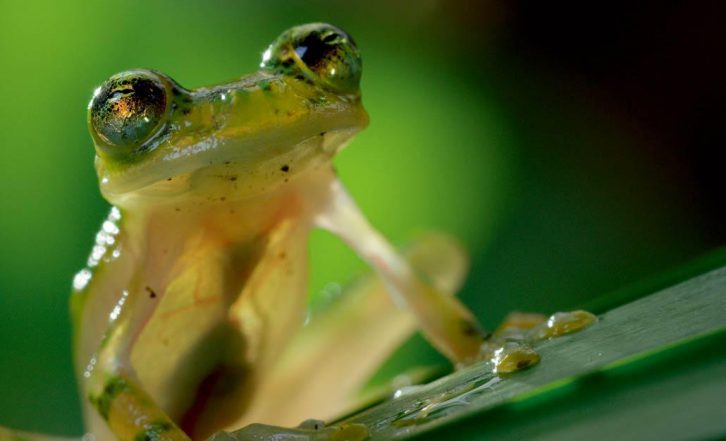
column 678, row 314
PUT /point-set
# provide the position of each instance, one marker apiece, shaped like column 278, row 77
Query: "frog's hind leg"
column 129, row 411
column 117, row 395
column 325, row 366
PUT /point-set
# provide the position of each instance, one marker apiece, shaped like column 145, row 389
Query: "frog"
column 196, row 287
column 190, row 315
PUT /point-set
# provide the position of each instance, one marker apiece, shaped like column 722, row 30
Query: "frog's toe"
column 512, row 357
column 561, row 323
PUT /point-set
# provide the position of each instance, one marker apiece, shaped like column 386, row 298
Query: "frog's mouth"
column 250, row 163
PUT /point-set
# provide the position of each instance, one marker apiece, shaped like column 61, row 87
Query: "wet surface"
column 662, row 320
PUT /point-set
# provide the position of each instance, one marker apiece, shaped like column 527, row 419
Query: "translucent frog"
column 188, row 313
column 188, row 317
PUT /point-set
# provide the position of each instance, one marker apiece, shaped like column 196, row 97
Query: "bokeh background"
column 572, row 147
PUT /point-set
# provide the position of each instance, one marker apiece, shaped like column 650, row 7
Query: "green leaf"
column 654, row 368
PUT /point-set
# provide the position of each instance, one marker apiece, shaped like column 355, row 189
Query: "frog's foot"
column 511, row 347
column 309, row 430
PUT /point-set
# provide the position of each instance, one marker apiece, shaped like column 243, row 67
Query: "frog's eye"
column 324, row 54
column 127, row 110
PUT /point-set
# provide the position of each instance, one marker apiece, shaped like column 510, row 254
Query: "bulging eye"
column 128, row 110
column 324, row 54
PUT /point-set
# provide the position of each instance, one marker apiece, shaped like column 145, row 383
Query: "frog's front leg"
column 115, row 391
column 444, row 321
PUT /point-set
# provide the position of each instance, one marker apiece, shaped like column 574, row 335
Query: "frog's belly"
column 174, row 355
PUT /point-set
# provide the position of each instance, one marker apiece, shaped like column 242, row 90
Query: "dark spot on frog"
column 283, row 255
column 152, row 293
column 285, row 168
column 470, row 329
column 227, row 162
column 223, row 199
column 177, row 209
column 233, row 178
column 286, row 179
column 287, row 62
column 322, row 133
column 169, row 179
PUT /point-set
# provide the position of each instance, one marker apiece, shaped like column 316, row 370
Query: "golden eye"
column 127, row 110
column 322, row 52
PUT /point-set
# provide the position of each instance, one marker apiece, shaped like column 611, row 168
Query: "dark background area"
column 659, row 63
column 623, row 124
column 573, row 147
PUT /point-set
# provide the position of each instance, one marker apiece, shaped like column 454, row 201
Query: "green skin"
column 188, row 315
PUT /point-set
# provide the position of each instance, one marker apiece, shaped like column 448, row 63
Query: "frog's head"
column 154, row 138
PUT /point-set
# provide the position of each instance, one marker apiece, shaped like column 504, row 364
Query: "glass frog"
column 196, row 288
column 188, row 317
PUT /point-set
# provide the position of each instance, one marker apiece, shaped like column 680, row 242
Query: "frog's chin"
column 218, row 169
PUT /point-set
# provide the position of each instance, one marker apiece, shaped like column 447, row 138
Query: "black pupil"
column 315, row 51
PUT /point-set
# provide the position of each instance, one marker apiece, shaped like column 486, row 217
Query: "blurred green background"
column 564, row 147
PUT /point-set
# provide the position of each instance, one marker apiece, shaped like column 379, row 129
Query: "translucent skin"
column 188, row 316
